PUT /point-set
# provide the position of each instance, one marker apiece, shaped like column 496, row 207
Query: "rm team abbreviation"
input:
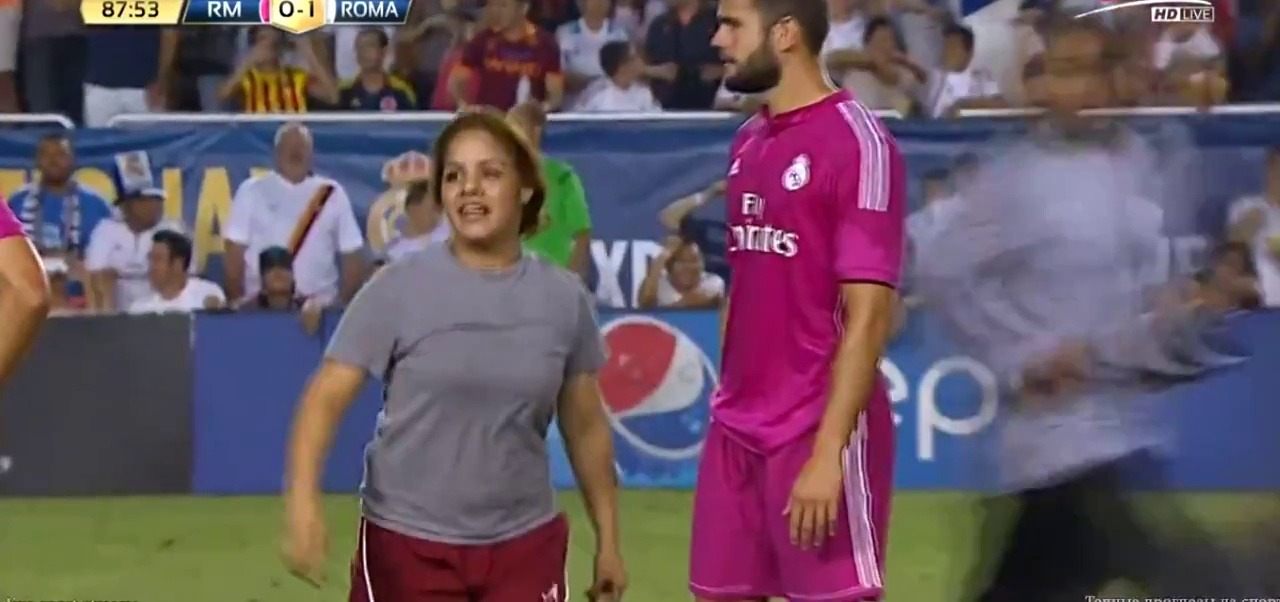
column 296, row 16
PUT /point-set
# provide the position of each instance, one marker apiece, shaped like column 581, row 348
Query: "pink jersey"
column 9, row 224
column 815, row 199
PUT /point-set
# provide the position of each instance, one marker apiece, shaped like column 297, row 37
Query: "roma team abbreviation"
column 296, row 16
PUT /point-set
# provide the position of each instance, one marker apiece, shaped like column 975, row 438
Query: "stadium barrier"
column 154, row 413
column 102, row 406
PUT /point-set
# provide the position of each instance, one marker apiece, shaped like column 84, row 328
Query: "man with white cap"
column 308, row 215
column 116, row 258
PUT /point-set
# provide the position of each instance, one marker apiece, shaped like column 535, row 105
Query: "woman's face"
column 480, row 189
column 686, row 268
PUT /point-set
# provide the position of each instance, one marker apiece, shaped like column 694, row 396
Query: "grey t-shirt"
column 473, row 363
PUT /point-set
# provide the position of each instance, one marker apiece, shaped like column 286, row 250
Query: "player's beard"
column 759, row 73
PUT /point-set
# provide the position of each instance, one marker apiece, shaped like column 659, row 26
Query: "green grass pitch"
column 211, row 549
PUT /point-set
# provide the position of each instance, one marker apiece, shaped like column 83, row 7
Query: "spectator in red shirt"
column 511, row 62
column 441, row 96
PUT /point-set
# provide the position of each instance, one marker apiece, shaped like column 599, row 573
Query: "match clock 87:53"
column 122, row 12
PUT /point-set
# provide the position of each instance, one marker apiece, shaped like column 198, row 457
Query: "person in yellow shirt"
column 264, row 84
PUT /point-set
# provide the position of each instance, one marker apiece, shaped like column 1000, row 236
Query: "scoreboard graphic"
column 293, row 16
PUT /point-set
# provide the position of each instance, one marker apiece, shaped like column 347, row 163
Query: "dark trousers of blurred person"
column 1067, row 541
column 52, row 75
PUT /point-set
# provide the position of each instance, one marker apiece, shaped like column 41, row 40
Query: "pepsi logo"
column 656, row 387
column 264, row 10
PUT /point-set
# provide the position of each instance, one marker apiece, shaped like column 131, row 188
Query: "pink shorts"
column 742, row 546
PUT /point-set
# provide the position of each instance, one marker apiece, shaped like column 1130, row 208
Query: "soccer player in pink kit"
column 24, row 292
column 793, row 492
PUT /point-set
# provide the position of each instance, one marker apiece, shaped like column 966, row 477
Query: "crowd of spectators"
column 912, row 56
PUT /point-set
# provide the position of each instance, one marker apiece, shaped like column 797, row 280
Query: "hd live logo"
column 1182, row 14
column 1162, row 11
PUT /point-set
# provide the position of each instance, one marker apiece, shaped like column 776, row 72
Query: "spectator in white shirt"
column 842, row 49
column 1191, row 64
column 172, row 290
column 882, row 77
column 580, row 43
column 622, row 91
column 959, row 85
column 1255, row 221
column 116, row 258
column 308, row 215
column 678, row 278
column 423, row 224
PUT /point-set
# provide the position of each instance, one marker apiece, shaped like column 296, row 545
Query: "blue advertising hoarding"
column 250, row 370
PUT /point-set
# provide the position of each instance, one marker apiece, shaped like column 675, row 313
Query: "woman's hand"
column 610, row 579
column 306, row 539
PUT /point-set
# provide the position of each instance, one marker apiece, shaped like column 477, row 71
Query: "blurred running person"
column 1043, row 273
column 793, row 492
column 457, row 500
column 24, row 292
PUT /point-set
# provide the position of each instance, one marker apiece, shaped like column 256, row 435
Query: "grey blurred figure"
column 1047, row 273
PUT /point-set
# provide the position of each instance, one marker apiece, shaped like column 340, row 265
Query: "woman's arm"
column 589, row 443
column 328, row 395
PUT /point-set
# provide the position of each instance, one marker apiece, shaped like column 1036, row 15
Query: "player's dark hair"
column 178, row 244
column 527, row 161
column 379, row 33
column 1273, row 153
column 960, row 31
column 875, row 24
column 612, row 56
column 809, row 15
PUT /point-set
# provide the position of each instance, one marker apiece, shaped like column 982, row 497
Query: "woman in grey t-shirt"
column 478, row 347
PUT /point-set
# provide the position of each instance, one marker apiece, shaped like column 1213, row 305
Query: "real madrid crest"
column 797, row 175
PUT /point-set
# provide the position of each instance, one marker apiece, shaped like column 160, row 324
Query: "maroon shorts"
column 391, row 567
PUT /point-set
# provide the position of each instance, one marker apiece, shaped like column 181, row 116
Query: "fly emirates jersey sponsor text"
column 815, row 199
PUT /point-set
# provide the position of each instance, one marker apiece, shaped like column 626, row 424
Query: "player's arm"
column 870, row 234
column 870, row 313
column 867, row 261
column 24, row 300
column 585, row 428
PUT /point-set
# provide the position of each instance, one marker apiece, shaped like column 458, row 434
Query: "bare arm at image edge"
column 24, row 293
